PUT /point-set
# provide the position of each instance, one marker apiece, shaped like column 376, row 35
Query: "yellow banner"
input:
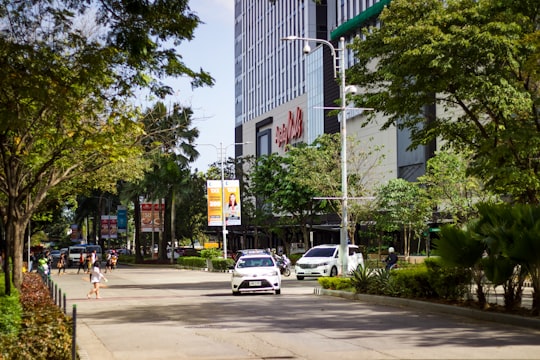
column 214, row 202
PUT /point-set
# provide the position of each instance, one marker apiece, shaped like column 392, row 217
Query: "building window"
column 264, row 142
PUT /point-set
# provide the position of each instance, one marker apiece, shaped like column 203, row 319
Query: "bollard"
column 65, row 311
column 55, row 298
column 74, row 338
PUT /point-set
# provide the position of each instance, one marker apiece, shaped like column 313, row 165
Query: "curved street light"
column 339, row 64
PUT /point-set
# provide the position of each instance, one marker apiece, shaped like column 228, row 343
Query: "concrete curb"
column 515, row 320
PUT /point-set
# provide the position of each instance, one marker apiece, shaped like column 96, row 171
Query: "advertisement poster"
column 150, row 219
column 109, row 227
column 214, row 202
column 232, row 202
column 121, row 212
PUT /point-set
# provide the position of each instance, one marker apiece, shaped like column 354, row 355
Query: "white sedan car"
column 256, row 273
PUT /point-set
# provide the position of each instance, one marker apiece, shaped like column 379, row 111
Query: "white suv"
column 323, row 260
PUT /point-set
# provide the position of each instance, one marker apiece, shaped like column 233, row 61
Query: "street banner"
column 214, row 202
column 121, row 212
column 150, row 219
column 216, row 208
column 109, row 227
column 232, row 202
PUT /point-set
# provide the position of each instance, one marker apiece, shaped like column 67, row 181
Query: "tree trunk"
column 137, row 219
column 15, row 240
column 173, row 216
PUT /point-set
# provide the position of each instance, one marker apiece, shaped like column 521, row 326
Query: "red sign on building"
column 293, row 129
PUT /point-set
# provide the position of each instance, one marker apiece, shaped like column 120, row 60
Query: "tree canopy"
column 70, row 70
column 478, row 61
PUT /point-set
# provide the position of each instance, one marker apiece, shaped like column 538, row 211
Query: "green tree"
column 402, row 207
column 64, row 105
column 459, row 246
column 318, row 167
column 451, row 190
column 478, row 62
column 170, row 147
column 511, row 235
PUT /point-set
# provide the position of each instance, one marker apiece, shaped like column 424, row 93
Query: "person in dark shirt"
column 392, row 259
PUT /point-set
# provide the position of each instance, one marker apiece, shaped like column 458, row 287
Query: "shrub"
column 222, row 264
column 383, row 283
column 335, row 283
column 413, row 282
column 294, row 258
column 10, row 316
column 45, row 331
column 211, row 253
column 191, row 261
column 448, row 282
column 361, row 279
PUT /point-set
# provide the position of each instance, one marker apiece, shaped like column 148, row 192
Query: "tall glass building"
column 282, row 94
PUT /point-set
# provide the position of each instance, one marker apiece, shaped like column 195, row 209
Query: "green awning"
column 359, row 20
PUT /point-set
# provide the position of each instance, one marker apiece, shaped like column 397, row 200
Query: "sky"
column 212, row 49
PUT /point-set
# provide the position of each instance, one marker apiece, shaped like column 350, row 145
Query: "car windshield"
column 255, row 262
column 320, row 252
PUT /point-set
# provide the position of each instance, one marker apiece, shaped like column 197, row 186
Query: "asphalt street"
column 167, row 313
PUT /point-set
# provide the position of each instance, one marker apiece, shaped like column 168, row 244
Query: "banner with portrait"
column 232, row 202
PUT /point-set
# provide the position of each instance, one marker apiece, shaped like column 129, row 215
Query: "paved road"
column 165, row 313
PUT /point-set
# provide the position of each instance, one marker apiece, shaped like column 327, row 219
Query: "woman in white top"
column 95, row 278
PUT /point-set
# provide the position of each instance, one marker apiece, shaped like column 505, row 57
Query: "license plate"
column 254, row 283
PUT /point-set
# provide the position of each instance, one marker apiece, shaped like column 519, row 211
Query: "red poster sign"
column 150, row 218
column 293, row 129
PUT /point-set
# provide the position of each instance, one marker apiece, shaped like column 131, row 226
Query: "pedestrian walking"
column 61, row 264
column 81, row 263
column 88, row 263
column 95, row 279
column 32, row 261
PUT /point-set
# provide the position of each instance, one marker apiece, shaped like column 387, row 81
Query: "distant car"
column 323, row 260
column 123, row 251
column 186, row 251
column 55, row 254
column 183, row 252
column 256, row 273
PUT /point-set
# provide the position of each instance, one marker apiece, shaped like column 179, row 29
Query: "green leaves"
column 478, row 62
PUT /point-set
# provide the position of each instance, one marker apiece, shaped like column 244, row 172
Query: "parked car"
column 55, row 254
column 256, row 273
column 123, row 251
column 323, row 260
column 187, row 251
column 183, row 252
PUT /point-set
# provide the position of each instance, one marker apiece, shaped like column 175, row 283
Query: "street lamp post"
column 221, row 152
column 343, row 130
